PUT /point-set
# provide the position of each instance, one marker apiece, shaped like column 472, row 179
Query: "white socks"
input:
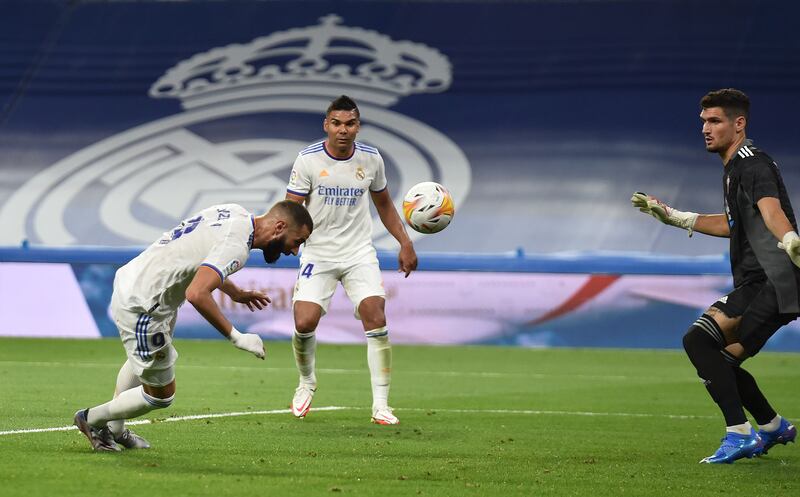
column 305, row 350
column 128, row 404
column 742, row 429
column 772, row 425
column 125, row 381
column 379, row 358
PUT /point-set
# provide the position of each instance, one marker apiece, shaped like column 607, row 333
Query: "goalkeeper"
column 765, row 255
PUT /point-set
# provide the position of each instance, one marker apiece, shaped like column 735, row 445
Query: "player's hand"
column 791, row 244
column 407, row 259
column 664, row 213
column 252, row 299
column 249, row 342
column 651, row 205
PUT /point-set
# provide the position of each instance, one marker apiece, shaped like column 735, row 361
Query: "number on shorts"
column 159, row 340
column 307, row 270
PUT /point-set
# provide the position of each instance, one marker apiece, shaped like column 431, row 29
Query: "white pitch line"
column 174, row 419
column 342, row 408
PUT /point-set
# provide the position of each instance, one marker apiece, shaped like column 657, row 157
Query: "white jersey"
column 337, row 197
column 219, row 237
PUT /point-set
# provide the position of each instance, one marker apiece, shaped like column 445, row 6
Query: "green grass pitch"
column 480, row 421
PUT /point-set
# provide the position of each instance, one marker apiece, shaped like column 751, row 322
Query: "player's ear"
column 280, row 227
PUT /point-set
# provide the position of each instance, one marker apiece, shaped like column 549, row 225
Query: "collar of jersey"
column 325, row 148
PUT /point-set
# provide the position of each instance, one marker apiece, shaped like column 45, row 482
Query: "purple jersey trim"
column 221, row 276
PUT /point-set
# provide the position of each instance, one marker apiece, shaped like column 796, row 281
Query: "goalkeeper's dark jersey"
column 750, row 176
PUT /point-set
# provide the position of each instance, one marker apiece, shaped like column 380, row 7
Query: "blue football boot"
column 784, row 434
column 735, row 446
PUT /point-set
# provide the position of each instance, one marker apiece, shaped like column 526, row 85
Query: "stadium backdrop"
column 120, row 118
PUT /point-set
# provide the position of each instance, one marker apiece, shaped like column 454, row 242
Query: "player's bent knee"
column 306, row 317
column 372, row 324
column 372, row 316
column 694, row 339
column 305, row 326
column 704, row 333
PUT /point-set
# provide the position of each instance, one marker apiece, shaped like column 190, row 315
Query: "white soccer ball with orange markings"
column 428, row 207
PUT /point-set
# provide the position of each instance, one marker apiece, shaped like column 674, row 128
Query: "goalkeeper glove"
column 663, row 212
column 247, row 341
column 791, row 244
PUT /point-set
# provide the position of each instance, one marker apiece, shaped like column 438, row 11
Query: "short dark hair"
column 343, row 102
column 734, row 102
column 295, row 212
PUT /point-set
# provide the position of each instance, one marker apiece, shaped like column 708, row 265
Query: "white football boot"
column 301, row 403
column 384, row 416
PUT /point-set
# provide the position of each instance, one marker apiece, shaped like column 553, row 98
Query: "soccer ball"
column 428, row 207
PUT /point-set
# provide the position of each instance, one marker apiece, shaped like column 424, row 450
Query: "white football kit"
column 149, row 289
column 337, row 195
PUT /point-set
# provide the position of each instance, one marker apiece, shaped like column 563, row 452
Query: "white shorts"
column 316, row 281
column 147, row 339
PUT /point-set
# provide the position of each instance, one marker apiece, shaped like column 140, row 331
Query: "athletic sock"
column 742, row 429
column 305, row 351
column 752, row 398
column 128, row 404
column 379, row 358
column 703, row 344
column 125, row 381
column 773, row 424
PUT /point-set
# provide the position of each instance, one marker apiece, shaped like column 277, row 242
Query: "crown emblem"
column 322, row 60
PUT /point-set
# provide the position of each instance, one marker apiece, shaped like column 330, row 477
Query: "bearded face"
column 274, row 249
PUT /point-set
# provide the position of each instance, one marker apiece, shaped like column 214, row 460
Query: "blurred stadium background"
column 120, row 117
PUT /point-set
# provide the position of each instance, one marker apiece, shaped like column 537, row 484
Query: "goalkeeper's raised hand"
column 791, row 244
column 664, row 213
column 248, row 341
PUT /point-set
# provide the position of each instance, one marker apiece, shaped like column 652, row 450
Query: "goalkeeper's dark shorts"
column 757, row 304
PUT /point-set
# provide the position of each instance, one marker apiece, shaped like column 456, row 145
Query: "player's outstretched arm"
column 407, row 258
column 713, row 224
column 205, row 281
column 709, row 224
column 778, row 224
